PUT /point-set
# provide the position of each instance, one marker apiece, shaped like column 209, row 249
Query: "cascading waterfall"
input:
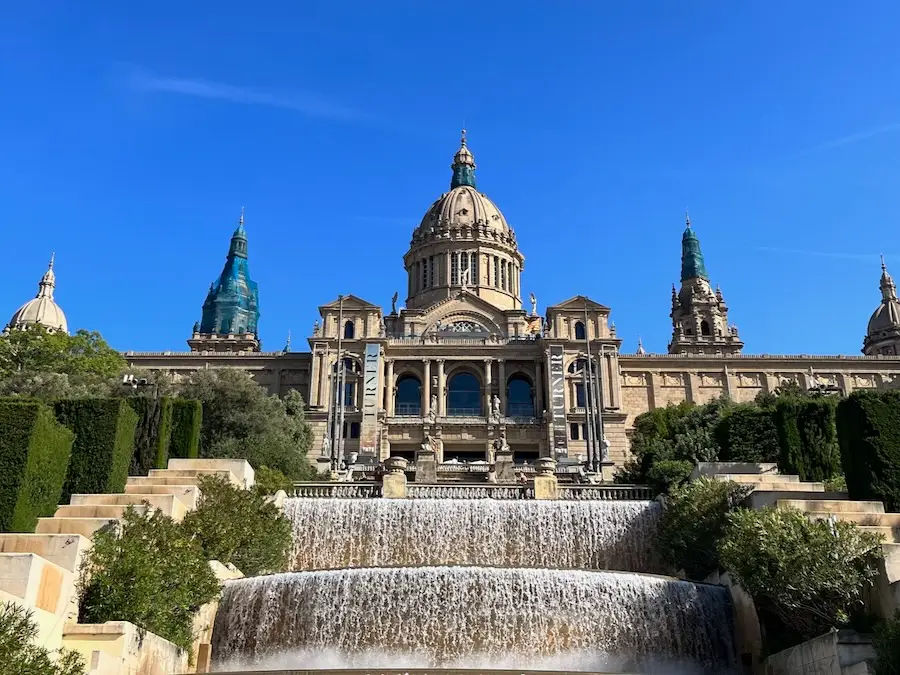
column 596, row 535
column 458, row 616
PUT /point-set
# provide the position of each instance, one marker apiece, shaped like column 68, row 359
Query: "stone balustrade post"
column 393, row 485
column 545, row 484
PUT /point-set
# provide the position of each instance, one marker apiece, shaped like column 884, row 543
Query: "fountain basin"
column 446, row 617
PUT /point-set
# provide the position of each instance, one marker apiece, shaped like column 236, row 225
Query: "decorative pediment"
column 578, row 303
column 464, row 314
column 350, row 302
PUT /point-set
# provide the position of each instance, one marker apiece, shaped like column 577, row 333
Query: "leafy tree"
column 887, row 647
column 35, row 350
column 241, row 421
column 269, row 481
column 20, row 656
column 241, row 527
column 693, row 522
column 805, row 576
column 151, row 573
column 667, row 474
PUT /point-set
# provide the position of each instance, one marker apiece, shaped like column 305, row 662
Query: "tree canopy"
column 19, row 655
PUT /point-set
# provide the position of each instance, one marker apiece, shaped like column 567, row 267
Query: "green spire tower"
column 463, row 165
column 692, row 265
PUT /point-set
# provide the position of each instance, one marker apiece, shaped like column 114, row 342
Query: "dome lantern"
column 42, row 309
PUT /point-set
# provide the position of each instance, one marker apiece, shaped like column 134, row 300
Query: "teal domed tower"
column 231, row 310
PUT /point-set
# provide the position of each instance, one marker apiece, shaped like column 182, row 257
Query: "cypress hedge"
column 153, row 434
column 747, row 434
column 104, row 443
column 187, row 417
column 807, row 433
column 34, row 456
column 869, row 435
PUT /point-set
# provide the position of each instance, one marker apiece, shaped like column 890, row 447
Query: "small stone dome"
column 883, row 332
column 464, row 206
column 886, row 317
column 42, row 309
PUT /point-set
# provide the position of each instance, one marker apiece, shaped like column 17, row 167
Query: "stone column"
column 390, row 391
column 538, row 389
column 442, row 388
column 545, row 483
column 393, row 485
column 447, row 263
column 487, row 387
column 693, row 387
column 426, row 389
column 501, row 366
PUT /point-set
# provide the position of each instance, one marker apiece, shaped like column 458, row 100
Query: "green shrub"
column 805, row 576
column 104, row 442
column 240, row 527
column 153, row 434
column 693, row 522
column 747, row 434
column 887, row 647
column 269, row 481
column 807, row 433
column 34, row 456
column 151, row 574
column 869, row 435
column 187, row 418
column 19, row 655
column 667, row 474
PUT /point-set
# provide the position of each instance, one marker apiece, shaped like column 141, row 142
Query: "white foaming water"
column 598, row 535
column 445, row 616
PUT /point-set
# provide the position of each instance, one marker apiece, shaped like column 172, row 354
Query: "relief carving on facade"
column 672, row 379
column 634, row 379
column 749, row 380
column 864, row 381
column 711, row 380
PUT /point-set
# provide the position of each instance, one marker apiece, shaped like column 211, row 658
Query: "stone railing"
column 605, row 492
column 505, row 492
column 453, row 467
column 336, row 490
column 443, row 339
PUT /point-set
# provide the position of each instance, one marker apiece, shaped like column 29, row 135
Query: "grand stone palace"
column 462, row 366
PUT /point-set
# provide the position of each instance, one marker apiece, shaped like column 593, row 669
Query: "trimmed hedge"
column 807, row 433
column 104, row 443
column 747, row 434
column 187, row 417
column 34, row 456
column 869, row 434
column 153, row 434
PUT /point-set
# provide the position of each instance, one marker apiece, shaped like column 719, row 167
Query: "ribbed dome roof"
column 42, row 309
column 464, row 206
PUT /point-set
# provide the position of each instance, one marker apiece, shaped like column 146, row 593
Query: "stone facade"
column 462, row 365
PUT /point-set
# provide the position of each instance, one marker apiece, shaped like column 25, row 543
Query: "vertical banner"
column 558, row 402
column 368, row 437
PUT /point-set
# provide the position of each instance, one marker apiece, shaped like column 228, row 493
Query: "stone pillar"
column 442, row 388
column 204, row 657
column 503, row 465
column 845, row 383
column 501, row 366
column 390, row 391
column 393, row 485
column 545, row 483
column 447, row 270
column 487, row 387
column 426, row 389
column 693, row 387
column 538, row 389
column 730, row 386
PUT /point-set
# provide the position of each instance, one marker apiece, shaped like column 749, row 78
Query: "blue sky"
column 132, row 134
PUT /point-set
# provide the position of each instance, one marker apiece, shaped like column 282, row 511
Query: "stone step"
column 83, row 526
column 65, row 550
column 168, row 504
column 240, row 468
column 168, row 481
column 891, row 535
column 716, row 468
column 837, row 506
column 37, row 581
column 189, row 494
column 891, row 562
column 761, row 498
column 758, row 478
column 193, row 476
column 873, row 519
column 786, row 487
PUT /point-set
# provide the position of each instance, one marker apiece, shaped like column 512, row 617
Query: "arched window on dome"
column 464, row 395
column 519, row 397
column 349, row 330
column 408, row 402
column 704, row 328
column 580, row 333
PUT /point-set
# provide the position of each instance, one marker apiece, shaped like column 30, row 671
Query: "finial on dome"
column 53, row 259
column 687, row 218
column 287, row 345
column 241, row 221
column 463, row 165
column 883, row 266
column 640, row 349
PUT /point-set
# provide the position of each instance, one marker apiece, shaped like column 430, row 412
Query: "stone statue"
column 427, row 444
column 500, row 444
column 432, row 409
column 394, row 303
column 495, row 407
column 533, row 305
column 381, row 329
column 466, row 277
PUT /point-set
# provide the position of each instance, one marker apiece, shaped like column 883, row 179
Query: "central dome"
column 463, row 206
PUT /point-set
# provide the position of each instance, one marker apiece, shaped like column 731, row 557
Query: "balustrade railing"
column 336, row 490
column 505, row 492
column 605, row 492
column 367, row 490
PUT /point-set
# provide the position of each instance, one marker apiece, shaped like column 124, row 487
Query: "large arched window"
column 579, row 331
column 704, row 328
column 348, row 330
column 463, row 395
column 409, row 396
column 519, row 399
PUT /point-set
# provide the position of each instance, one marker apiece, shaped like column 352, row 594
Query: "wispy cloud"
column 307, row 103
column 857, row 137
column 867, row 257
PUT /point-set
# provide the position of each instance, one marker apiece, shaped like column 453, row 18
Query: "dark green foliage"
column 104, row 442
column 805, row 576
column 151, row 573
column 19, row 655
column 693, row 522
column 240, row 527
column 187, row 418
column 34, row 350
column 869, row 434
column 807, row 434
column 747, row 434
column 34, row 456
column 153, row 434
column 666, row 474
column 269, row 481
column 887, row 647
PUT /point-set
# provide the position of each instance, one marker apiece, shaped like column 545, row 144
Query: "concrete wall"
column 125, row 649
column 839, row 652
